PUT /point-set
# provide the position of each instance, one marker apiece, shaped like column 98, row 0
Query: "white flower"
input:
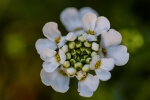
column 52, row 59
column 110, row 47
column 50, row 30
column 87, row 84
column 102, row 67
column 94, row 26
column 79, row 52
column 71, row 18
column 57, row 80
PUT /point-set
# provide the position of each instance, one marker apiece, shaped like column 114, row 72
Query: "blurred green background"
column 21, row 23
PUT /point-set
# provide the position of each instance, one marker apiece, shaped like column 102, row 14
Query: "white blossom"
column 57, row 80
column 94, row 26
column 102, row 67
column 110, row 47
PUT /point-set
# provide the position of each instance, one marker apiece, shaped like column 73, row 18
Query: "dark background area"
column 21, row 23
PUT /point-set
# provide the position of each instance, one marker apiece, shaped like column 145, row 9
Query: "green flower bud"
column 93, row 53
column 83, row 61
column 78, row 51
column 78, row 66
column 86, row 68
column 81, row 38
column 83, row 53
column 88, row 60
column 74, row 56
column 71, row 45
column 82, row 48
column 78, row 59
column 87, row 44
column 88, row 51
column 73, row 52
column 72, row 62
column 78, row 44
column 85, row 56
column 68, row 55
column 66, row 64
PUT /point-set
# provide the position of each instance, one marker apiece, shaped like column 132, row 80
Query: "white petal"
column 62, row 41
column 88, row 86
column 50, row 30
column 44, row 43
column 47, row 53
column 71, row 19
column 89, row 20
column 95, row 46
column 119, row 54
column 102, row 25
column 85, row 10
column 79, row 32
column 110, row 38
column 91, row 82
column 50, row 66
column 71, row 36
column 61, row 82
column 90, row 37
column 62, row 56
column 47, row 78
column 65, row 48
column 84, row 91
column 95, row 59
column 107, row 64
column 102, row 74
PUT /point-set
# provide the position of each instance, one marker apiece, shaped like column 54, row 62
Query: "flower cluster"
column 90, row 45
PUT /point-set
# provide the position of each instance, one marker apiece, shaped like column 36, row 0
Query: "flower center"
column 98, row 64
column 90, row 32
column 57, row 40
column 104, row 52
column 79, row 55
column 57, row 57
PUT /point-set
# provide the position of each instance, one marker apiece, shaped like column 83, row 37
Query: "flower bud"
column 95, row 46
column 86, row 68
column 66, row 64
column 71, row 45
column 87, row 44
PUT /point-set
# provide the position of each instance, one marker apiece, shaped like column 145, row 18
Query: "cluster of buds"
column 90, row 45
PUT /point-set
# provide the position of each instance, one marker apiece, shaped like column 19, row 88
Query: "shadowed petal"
column 107, row 64
column 58, row 81
column 90, row 37
column 61, row 82
column 50, row 66
column 44, row 43
column 119, row 54
column 47, row 53
column 88, row 86
column 71, row 19
column 50, row 30
column 71, row 36
column 102, row 25
column 62, row 41
column 102, row 74
column 62, row 56
column 110, row 38
column 89, row 20
column 85, row 10
column 47, row 78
